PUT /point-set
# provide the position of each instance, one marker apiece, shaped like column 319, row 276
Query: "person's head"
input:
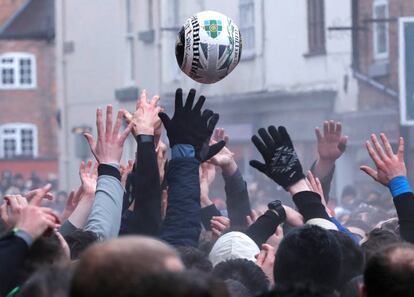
column 352, row 263
column 233, row 245
column 114, row 267
column 79, row 241
column 376, row 240
column 182, row 284
column 348, row 197
column 46, row 250
column 352, row 288
column 51, row 281
column 390, row 272
column 237, row 289
column 244, row 271
column 299, row 290
column 308, row 254
column 193, row 258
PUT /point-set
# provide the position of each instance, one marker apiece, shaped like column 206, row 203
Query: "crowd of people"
column 150, row 228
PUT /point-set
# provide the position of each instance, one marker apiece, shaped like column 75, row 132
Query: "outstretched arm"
column 283, row 167
column 391, row 172
column 105, row 218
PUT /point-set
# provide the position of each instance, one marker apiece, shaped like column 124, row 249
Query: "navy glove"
column 190, row 126
column 281, row 162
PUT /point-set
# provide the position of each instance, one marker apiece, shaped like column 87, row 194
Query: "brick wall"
column 369, row 97
column 36, row 106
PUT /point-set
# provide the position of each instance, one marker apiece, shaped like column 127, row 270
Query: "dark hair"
column 237, row 289
column 351, row 288
column 348, row 191
column 46, row 250
column 193, row 258
column 79, row 241
column 352, row 260
column 51, row 281
column 390, row 272
column 246, row 272
column 310, row 255
column 299, row 290
column 378, row 239
column 184, row 284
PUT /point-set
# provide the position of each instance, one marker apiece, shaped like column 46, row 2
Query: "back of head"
column 51, row 281
column 299, row 290
column 310, row 255
column 184, row 284
column 390, row 272
column 352, row 288
column 237, row 289
column 352, row 260
column 113, row 268
column 377, row 240
column 193, row 258
column 46, row 250
column 244, row 271
column 79, row 241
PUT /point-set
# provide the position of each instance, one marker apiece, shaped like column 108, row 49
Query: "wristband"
column 26, row 237
column 399, row 185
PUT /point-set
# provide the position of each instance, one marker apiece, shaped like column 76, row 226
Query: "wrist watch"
column 278, row 208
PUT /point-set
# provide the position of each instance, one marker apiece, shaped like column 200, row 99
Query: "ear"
column 362, row 291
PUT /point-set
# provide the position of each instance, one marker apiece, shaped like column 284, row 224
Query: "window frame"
column 376, row 54
column 316, row 27
column 17, row 136
column 17, row 57
column 248, row 53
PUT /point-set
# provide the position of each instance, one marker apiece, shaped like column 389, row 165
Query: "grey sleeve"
column 67, row 228
column 105, row 217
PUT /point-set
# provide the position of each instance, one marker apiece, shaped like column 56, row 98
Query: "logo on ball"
column 213, row 28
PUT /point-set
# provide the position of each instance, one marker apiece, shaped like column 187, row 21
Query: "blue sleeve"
column 182, row 226
column 344, row 230
column 399, row 185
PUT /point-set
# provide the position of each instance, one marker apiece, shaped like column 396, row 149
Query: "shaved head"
column 111, row 267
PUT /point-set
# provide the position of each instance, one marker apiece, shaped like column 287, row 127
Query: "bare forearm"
column 80, row 215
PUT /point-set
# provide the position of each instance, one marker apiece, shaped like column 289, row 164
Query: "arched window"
column 17, row 71
column 18, row 140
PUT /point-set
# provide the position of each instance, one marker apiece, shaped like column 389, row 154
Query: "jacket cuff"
column 106, row 169
column 310, row 205
column 141, row 138
column 207, row 213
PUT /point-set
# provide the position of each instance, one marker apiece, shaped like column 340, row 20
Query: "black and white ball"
column 208, row 47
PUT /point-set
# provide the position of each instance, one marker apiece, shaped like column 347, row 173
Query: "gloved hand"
column 189, row 126
column 281, row 162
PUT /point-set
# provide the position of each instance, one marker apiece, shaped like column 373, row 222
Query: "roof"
column 34, row 20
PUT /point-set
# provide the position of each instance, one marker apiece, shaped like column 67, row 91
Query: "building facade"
column 295, row 69
column 28, row 117
column 375, row 61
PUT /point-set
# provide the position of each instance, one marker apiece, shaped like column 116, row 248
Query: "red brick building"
column 28, row 113
column 375, row 31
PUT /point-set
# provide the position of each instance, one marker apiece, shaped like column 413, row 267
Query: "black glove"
column 189, row 126
column 281, row 162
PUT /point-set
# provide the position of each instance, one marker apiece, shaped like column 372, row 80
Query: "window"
column 247, row 28
column 18, row 140
column 316, row 27
column 380, row 32
column 17, row 71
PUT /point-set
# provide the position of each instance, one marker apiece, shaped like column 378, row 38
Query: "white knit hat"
column 233, row 245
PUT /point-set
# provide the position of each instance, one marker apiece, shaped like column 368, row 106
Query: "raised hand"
column 11, row 209
column 281, row 162
column 219, row 225
column 88, row 176
column 266, row 260
column 145, row 119
column 388, row 165
column 190, row 126
column 224, row 158
column 332, row 144
column 109, row 146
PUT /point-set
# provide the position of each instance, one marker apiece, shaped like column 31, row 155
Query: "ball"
column 208, row 47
